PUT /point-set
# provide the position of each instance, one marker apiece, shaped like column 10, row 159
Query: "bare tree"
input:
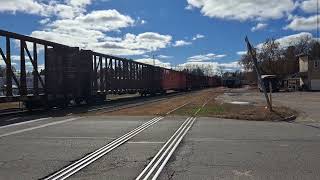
column 303, row 45
column 246, row 62
column 220, row 71
column 268, row 55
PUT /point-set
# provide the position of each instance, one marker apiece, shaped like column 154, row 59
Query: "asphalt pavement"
column 212, row 149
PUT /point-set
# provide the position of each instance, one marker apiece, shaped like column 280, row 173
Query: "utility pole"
column 318, row 19
column 255, row 62
column 154, row 59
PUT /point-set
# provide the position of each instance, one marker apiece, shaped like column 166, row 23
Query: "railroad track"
column 108, row 106
column 156, row 165
column 92, row 157
column 9, row 112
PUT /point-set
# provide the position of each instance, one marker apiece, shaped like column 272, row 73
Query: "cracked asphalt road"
column 229, row 149
column 212, row 149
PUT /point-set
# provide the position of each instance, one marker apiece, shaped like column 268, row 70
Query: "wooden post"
column 270, row 92
column 255, row 62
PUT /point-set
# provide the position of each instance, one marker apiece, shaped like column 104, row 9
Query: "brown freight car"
column 173, row 80
column 74, row 75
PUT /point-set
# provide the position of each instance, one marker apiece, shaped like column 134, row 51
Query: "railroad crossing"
column 166, row 146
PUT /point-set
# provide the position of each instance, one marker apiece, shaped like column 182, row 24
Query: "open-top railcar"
column 74, row 75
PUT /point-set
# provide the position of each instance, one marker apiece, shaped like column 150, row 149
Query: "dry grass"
column 233, row 111
column 9, row 105
column 246, row 112
column 162, row 107
column 212, row 108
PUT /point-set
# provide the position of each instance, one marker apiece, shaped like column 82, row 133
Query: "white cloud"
column 303, row 24
column 129, row 44
column 309, row 6
column 157, row 62
column 164, row 57
column 69, row 9
column 189, row 7
column 44, row 21
column 198, row 36
column 290, row 40
column 88, row 31
column 259, row 26
column 243, row 10
column 181, row 43
column 103, row 20
column 205, row 57
column 293, row 39
column 210, row 68
column 231, row 65
column 27, row 6
column 79, row 3
column 68, row 22
column 241, row 53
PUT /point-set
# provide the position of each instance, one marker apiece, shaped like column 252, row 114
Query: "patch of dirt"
column 213, row 108
column 246, row 112
column 162, row 107
column 9, row 105
column 218, row 109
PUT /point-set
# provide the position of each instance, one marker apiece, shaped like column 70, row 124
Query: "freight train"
column 85, row 76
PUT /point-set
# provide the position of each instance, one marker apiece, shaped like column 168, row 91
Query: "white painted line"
column 26, row 122
column 145, row 142
column 96, row 109
column 12, row 119
column 77, row 137
column 38, row 127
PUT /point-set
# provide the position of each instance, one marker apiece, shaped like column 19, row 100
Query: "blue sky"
column 179, row 33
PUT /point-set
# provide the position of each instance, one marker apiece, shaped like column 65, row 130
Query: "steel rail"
column 172, row 150
column 92, row 157
column 174, row 141
column 161, row 150
column 83, row 162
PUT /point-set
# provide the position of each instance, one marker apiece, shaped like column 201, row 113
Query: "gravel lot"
column 305, row 103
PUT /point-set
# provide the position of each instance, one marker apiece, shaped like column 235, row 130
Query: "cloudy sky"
column 177, row 32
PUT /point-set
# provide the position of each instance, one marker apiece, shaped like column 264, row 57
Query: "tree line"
column 278, row 60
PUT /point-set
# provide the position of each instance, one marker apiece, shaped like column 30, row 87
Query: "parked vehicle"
column 267, row 79
column 232, row 82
